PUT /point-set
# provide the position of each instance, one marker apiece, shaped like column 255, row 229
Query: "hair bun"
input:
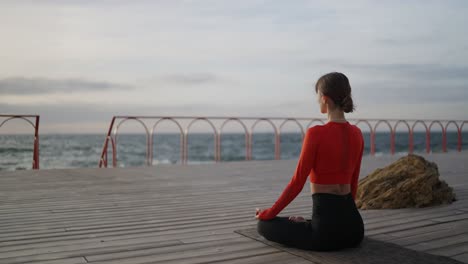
column 347, row 104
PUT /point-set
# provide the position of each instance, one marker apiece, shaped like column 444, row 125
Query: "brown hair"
column 336, row 86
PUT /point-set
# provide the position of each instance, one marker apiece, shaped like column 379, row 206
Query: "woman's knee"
column 260, row 226
column 267, row 227
column 263, row 226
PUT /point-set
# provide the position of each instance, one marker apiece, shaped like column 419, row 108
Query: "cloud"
column 190, row 79
column 396, row 92
column 38, row 86
column 408, row 40
column 79, row 112
column 416, row 71
column 69, row 117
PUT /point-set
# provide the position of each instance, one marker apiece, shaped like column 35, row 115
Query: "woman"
column 331, row 154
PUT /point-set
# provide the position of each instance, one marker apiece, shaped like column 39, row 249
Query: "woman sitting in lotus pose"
column 331, row 155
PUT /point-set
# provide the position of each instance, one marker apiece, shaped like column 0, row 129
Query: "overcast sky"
column 78, row 63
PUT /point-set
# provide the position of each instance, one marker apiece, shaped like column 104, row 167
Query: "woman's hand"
column 297, row 219
column 257, row 212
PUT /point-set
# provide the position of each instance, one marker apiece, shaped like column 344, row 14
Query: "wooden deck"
column 187, row 214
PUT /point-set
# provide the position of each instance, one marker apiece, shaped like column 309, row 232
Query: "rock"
column 411, row 181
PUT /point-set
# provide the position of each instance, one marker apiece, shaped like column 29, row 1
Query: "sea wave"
column 12, row 150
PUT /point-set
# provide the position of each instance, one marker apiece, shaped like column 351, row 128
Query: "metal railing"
column 217, row 132
column 35, row 125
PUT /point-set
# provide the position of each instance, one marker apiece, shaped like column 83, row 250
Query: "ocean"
column 83, row 151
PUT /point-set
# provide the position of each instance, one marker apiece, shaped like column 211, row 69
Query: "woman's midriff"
column 340, row 189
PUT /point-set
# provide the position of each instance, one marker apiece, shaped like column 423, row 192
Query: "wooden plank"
column 394, row 228
column 162, row 236
column 78, row 260
column 462, row 257
column 426, row 237
column 452, row 218
column 141, row 213
column 397, row 214
column 451, row 250
column 439, row 243
column 272, row 258
column 237, row 245
column 246, row 256
column 161, row 231
column 75, row 252
column 152, row 227
column 460, row 225
column 408, row 218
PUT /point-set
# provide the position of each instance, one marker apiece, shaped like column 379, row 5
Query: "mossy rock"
column 409, row 182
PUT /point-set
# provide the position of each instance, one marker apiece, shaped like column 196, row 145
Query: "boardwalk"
column 187, row 214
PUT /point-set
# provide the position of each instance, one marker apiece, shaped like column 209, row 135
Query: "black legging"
column 335, row 224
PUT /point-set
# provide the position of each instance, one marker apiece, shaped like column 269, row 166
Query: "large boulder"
column 411, row 181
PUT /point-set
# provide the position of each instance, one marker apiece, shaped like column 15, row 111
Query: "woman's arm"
column 357, row 170
column 295, row 185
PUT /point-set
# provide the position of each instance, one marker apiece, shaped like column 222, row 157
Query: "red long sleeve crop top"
column 330, row 154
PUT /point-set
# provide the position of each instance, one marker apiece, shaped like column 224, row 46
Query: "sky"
column 78, row 63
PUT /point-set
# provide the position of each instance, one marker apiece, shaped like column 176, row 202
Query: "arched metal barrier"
column 273, row 122
column 35, row 125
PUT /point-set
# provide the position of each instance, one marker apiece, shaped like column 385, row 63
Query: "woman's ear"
column 324, row 99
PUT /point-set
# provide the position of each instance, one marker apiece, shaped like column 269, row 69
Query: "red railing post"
column 103, row 160
column 460, row 141
column 35, row 161
column 411, row 142
column 392, row 142
column 36, row 145
column 444, row 140
column 251, row 144
column 428, row 142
